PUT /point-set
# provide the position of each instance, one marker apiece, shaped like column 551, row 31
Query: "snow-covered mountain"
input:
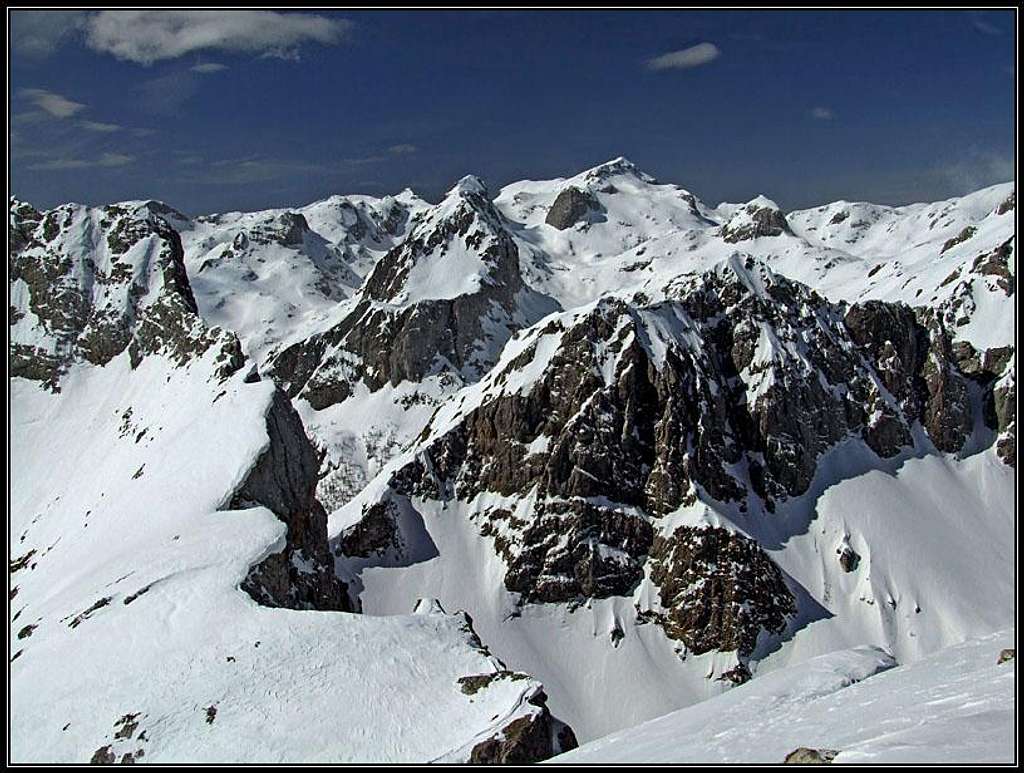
column 648, row 453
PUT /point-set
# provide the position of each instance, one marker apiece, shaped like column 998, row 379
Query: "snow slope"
column 126, row 599
column 955, row 706
column 648, row 233
column 274, row 276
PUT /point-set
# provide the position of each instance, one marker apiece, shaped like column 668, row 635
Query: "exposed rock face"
column 1006, row 655
column 527, row 739
column 914, row 358
column 375, row 534
column 719, row 589
column 736, row 385
column 1004, row 400
column 289, row 229
column 960, row 238
column 396, row 334
column 283, row 480
column 571, row 206
column 126, row 289
column 757, row 218
column 806, row 756
column 849, row 559
column 22, row 221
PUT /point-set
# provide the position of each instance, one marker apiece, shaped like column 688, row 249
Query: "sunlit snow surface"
column 133, row 594
column 955, row 706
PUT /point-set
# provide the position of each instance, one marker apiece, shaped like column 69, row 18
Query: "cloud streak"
column 54, row 104
column 685, row 59
column 97, row 126
column 107, row 160
column 146, row 37
column 822, row 113
column 208, row 67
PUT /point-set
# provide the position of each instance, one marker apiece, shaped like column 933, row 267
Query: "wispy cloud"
column 62, row 164
column 37, row 34
column 262, row 169
column 975, row 169
column 979, row 23
column 403, row 149
column 151, row 36
column 208, row 67
column 54, row 104
column 164, row 95
column 97, row 126
column 822, row 113
column 694, row 56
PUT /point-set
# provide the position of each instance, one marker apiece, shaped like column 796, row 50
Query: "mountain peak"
column 470, row 185
column 760, row 201
column 614, row 168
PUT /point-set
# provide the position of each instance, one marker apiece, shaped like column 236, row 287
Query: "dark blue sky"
column 242, row 111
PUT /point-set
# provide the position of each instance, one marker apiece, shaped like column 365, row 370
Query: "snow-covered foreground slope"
column 131, row 634
column 954, row 706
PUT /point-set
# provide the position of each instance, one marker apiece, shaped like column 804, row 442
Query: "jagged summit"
column 470, row 185
column 615, row 167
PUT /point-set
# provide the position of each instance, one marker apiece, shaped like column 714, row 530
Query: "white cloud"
column 150, row 36
column 54, row 104
column 208, row 67
column 402, row 149
column 694, row 56
column 97, row 126
column 822, row 113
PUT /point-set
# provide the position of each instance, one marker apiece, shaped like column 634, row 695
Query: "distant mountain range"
column 385, row 480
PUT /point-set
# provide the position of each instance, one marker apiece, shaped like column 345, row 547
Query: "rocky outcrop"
column 849, row 559
column 23, row 219
column 531, row 738
column 127, row 291
column 806, row 756
column 376, row 533
column 759, row 217
column 570, row 207
column 960, row 238
column 1004, row 401
column 289, row 229
column 283, row 479
column 719, row 590
column 913, row 354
